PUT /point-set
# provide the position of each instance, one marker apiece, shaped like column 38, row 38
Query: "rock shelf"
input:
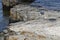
column 35, row 30
column 36, row 24
column 25, row 13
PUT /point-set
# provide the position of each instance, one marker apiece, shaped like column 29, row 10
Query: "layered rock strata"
column 35, row 30
column 25, row 13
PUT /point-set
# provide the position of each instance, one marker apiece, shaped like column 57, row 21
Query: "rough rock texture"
column 25, row 13
column 14, row 2
column 41, row 29
column 38, row 24
column 9, row 2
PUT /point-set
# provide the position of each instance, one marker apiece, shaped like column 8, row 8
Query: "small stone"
column 5, row 31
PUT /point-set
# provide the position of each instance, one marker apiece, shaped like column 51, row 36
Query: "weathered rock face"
column 39, row 24
column 9, row 2
column 14, row 2
column 26, row 13
column 36, row 30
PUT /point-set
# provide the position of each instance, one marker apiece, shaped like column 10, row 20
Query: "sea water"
column 49, row 4
column 3, row 20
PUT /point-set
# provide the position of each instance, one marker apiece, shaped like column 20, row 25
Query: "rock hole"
column 42, row 13
column 52, row 19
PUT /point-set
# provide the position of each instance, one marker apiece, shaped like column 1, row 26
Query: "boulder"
column 24, row 12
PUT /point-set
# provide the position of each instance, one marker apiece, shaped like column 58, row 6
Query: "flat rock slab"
column 36, row 30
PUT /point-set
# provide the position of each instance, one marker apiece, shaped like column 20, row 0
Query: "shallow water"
column 49, row 4
column 3, row 20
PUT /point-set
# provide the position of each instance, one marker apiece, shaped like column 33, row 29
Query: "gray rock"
column 36, row 30
column 24, row 12
column 1, row 38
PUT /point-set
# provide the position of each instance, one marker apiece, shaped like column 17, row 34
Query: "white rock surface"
column 24, row 12
column 38, row 24
column 37, row 30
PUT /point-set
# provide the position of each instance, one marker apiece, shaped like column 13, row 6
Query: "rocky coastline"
column 33, row 23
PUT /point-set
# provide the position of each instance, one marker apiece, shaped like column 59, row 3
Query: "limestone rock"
column 36, row 30
column 14, row 2
column 24, row 13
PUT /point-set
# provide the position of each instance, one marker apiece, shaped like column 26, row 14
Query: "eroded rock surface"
column 9, row 2
column 37, row 24
column 26, row 13
column 36, row 30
